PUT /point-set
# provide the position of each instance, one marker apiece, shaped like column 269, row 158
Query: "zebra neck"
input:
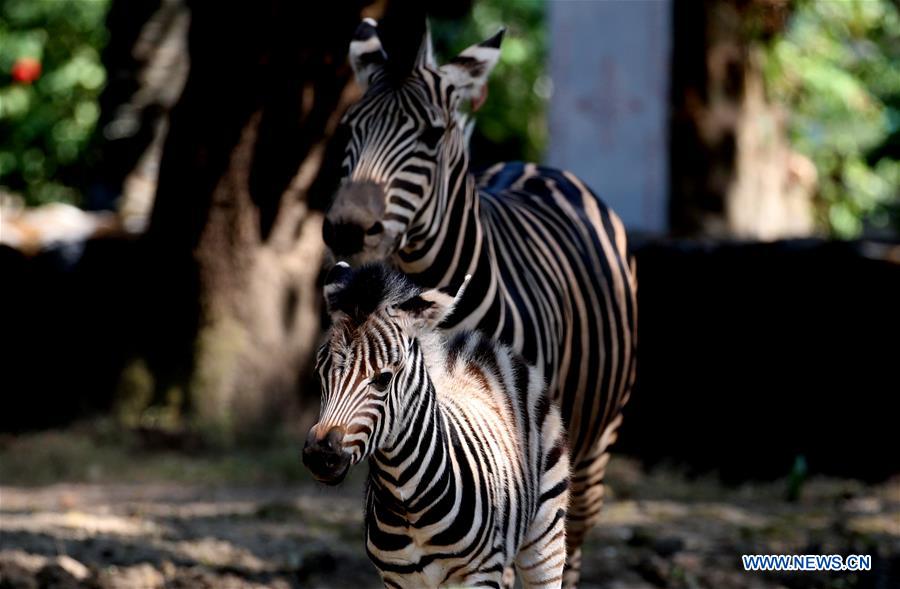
column 449, row 221
column 401, row 475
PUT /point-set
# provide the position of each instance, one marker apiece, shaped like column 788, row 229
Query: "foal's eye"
column 382, row 381
column 375, row 229
column 431, row 136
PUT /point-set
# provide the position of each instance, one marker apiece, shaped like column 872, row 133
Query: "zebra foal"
column 468, row 464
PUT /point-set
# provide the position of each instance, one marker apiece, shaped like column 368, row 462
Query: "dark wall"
column 753, row 354
column 71, row 317
column 750, row 354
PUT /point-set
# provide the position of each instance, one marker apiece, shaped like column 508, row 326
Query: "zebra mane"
column 358, row 293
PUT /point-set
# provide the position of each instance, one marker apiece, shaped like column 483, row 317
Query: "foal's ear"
column 469, row 71
column 429, row 308
column 367, row 56
column 425, row 54
column 336, row 279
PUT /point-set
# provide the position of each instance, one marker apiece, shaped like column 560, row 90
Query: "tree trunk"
column 234, row 249
column 234, row 246
column 732, row 170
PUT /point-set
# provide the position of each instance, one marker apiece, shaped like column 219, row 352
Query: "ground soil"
column 660, row 529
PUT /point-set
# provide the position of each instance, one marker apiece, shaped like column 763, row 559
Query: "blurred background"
column 164, row 167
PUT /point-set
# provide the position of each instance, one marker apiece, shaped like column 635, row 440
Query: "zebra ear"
column 367, row 56
column 425, row 55
column 429, row 308
column 469, row 71
column 336, row 279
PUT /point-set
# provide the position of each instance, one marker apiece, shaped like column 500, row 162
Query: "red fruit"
column 26, row 70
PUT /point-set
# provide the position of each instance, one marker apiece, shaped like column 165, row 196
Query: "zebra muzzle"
column 324, row 455
column 342, row 238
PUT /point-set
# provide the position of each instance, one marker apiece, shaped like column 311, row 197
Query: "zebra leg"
column 586, row 502
column 577, row 527
column 542, row 555
column 541, row 559
column 493, row 579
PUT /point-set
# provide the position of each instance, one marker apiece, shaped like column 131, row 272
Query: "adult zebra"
column 551, row 275
column 468, row 466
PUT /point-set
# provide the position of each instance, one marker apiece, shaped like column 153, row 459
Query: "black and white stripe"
column 551, row 274
column 468, row 461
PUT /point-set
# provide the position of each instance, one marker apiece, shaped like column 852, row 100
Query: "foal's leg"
column 542, row 557
column 490, row 579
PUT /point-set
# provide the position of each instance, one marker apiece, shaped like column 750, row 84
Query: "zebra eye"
column 431, row 136
column 375, row 229
column 382, row 381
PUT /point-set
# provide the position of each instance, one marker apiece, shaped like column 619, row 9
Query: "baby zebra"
column 468, row 464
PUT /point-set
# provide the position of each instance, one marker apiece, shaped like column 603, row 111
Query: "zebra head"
column 371, row 367
column 406, row 150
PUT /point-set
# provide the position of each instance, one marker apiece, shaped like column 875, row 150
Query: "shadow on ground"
column 660, row 529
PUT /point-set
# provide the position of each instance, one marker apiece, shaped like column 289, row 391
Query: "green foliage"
column 837, row 68
column 46, row 126
column 512, row 121
column 797, row 478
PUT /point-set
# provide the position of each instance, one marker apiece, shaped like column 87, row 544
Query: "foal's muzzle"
column 323, row 455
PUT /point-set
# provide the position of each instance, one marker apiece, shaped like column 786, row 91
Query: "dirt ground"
column 660, row 529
